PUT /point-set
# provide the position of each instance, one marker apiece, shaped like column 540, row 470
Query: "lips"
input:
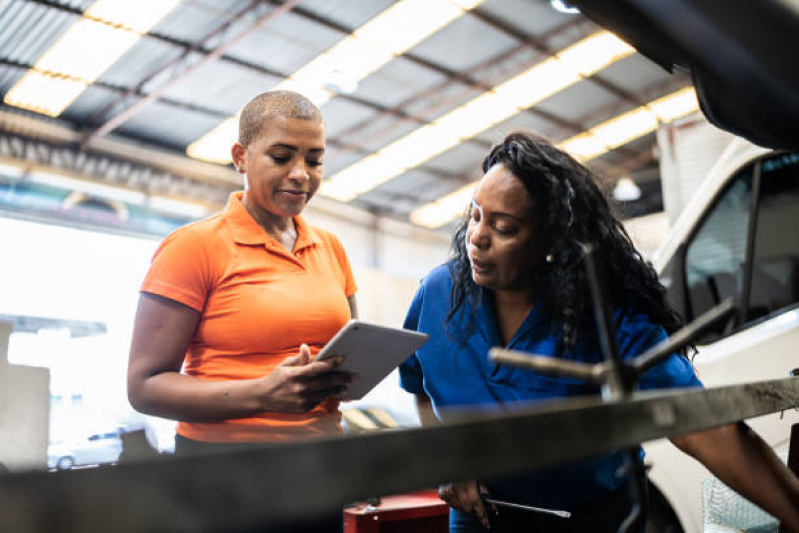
column 296, row 195
column 480, row 266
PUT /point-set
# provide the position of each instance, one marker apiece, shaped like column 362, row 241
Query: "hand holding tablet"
column 371, row 352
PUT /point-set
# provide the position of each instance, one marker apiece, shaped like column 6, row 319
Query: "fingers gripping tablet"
column 371, row 352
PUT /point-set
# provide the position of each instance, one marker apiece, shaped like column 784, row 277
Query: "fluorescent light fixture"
column 552, row 75
column 108, row 29
column 563, row 7
column 675, row 105
column 91, row 188
column 592, row 143
column 138, row 16
column 626, row 190
column 171, row 206
column 10, row 171
column 47, row 94
column 445, row 209
column 389, row 34
column 631, row 125
column 215, row 145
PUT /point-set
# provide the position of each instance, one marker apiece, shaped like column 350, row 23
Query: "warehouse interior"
column 117, row 120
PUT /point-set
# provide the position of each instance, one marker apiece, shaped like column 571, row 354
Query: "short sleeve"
column 637, row 334
column 411, row 376
column 350, row 287
column 180, row 270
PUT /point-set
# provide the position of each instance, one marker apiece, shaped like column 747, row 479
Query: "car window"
column 715, row 256
column 775, row 270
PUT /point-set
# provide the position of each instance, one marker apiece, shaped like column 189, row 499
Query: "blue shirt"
column 453, row 369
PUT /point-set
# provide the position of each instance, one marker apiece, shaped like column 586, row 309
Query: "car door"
column 745, row 246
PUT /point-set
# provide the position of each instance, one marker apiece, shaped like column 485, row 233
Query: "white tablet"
column 371, row 351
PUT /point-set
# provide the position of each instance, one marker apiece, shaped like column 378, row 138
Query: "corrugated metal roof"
column 346, row 12
column 577, row 101
column 286, row 43
column 499, row 40
column 532, row 18
column 192, row 20
column 341, row 114
column 526, row 121
column 93, row 99
column 464, row 44
column 9, row 75
column 168, row 127
column 378, row 131
column 397, row 81
column 635, row 73
column 220, row 85
column 27, row 30
column 138, row 63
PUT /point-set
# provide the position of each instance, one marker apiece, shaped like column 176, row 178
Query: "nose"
column 478, row 235
column 299, row 170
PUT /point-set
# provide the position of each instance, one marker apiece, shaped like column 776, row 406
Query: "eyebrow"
column 495, row 213
column 294, row 148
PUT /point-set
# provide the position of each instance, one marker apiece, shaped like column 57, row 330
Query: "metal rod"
column 296, row 481
column 615, row 386
column 682, row 337
column 551, row 366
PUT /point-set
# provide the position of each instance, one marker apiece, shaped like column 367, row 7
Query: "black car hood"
column 740, row 54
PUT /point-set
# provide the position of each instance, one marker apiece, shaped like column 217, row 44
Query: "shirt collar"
column 245, row 229
column 490, row 327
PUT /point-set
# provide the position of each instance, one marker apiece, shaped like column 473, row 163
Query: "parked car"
column 95, row 449
column 736, row 238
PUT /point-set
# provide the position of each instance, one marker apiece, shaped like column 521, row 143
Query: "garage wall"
column 24, row 411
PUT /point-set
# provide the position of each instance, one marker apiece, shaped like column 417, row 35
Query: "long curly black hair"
column 574, row 212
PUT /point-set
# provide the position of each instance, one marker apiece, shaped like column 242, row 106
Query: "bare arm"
column 743, row 461
column 162, row 331
column 424, row 406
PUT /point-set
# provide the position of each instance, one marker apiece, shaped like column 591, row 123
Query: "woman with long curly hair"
column 516, row 279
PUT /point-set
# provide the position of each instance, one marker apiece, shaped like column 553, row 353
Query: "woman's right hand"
column 464, row 496
column 299, row 384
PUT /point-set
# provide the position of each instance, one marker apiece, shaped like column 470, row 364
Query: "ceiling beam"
column 217, row 53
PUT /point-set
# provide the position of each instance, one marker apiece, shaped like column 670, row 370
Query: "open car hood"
column 741, row 55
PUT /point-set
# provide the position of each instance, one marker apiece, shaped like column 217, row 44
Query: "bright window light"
column 587, row 145
column 631, row 125
column 10, row 171
column 215, row 145
column 138, row 16
column 594, row 53
column 89, row 187
column 44, row 93
column 445, row 209
column 502, row 102
column 108, row 29
column 371, row 46
column 171, row 206
column 86, row 50
column 675, row 105
column 584, row 146
column 406, row 23
column 626, row 127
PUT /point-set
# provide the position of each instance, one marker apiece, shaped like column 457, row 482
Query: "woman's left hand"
column 465, row 496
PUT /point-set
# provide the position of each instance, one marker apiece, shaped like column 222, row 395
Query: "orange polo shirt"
column 258, row 302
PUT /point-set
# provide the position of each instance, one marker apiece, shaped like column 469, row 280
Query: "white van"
column 739, row 237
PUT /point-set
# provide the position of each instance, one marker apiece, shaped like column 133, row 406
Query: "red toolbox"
column 415, row 512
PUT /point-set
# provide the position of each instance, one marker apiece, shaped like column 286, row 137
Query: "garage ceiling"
column 204, row 59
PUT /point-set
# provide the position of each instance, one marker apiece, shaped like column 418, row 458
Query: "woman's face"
column 283, row 165
column 503, row 238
